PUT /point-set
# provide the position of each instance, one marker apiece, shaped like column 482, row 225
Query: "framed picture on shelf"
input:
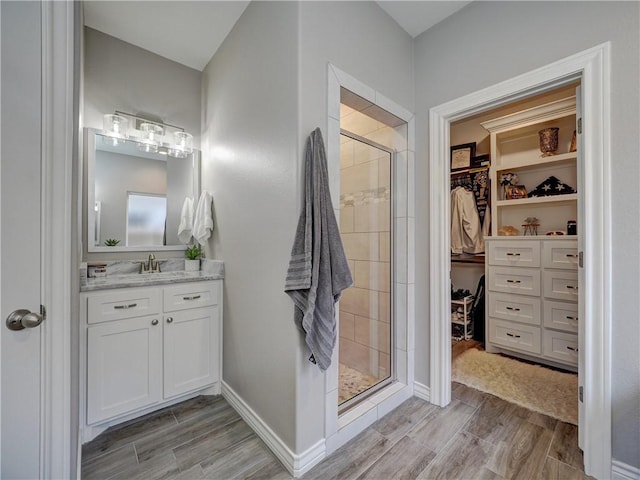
column 481, row 161
column 513, row 192
column 462, row 155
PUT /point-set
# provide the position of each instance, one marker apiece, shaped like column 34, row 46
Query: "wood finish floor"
column 478, row 436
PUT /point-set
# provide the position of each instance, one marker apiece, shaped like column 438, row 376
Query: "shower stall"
column 366, row 206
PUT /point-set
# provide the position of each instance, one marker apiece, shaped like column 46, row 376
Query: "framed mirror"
column 135, row 198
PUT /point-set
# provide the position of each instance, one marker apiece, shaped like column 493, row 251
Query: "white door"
column 36, row 105
column 20, row 224
column 581, row 313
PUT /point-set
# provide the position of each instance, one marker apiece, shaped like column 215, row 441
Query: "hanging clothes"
column 466, row 231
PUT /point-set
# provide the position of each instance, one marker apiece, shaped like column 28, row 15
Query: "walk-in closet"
column 515, row 175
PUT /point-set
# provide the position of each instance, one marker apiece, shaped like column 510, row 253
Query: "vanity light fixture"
column 183, row 145
column 150, row 134
column 115, row 128
column 150, row 139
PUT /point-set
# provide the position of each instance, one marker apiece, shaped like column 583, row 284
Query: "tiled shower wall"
column 365, row 216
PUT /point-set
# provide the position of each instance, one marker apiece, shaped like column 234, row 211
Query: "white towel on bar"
column 185, row 229
column 203, row 218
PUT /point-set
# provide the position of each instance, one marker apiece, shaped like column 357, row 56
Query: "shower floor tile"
column 352, row 382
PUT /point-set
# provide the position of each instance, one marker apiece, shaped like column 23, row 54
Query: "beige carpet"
column 534, row 387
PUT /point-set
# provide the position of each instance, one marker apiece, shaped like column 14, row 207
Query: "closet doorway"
column 590, row 68
column 514, row 253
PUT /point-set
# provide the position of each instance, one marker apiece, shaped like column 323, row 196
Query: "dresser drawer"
column 561, row 285
column 514, row 253
column 560, row 254
column 518, row 308
column 514, row 335
column 561, row 346
column 523, row 281
column 561, row 316
column 129, row 303
column 191, row 295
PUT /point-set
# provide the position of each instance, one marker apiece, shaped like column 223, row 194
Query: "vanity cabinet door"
column 191, row 349
column 124, row 366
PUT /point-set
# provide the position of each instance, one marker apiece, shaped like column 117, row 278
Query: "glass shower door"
column 366, row 332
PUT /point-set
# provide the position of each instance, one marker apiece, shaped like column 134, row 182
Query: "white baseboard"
column 296, row 464
column 622, row 471
column 422, row 391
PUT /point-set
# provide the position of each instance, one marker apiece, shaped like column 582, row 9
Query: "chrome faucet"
column 152, row 265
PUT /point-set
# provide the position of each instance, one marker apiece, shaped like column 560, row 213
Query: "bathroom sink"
column 214, row 270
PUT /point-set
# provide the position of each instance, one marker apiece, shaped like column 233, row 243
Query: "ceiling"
column 190, row 32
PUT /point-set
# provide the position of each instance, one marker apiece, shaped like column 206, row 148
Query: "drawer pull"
column 572, row 287
column 124, row 307
column 573, row 349
column 512, row 335
column 572, row 255
column 569, row 317
column 154, row 322
column 511, row 254
column 193, row 297
column 514, row 309
column 513, row 281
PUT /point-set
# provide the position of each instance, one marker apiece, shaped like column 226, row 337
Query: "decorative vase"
column 574, row 143
column 191, row 265
column 548, row 141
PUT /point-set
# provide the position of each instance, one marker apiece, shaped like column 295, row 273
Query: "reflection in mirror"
column 135, row 197
column 146, row 219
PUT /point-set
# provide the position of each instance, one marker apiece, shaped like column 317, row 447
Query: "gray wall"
column 121, row 76
column 363, row 41
column 250, row 165
column 116, row 175
column 488, row 42
column 263, row 94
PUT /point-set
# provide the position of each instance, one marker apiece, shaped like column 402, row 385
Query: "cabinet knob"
column 154, row 322
column 169, row 319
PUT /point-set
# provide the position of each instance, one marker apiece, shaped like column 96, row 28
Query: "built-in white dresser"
column 532, row 298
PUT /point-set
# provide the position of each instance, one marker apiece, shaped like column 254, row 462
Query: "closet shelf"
column 570, row 197
column 524, row 164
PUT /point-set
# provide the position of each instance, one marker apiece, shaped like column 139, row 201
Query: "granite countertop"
column 118, row 276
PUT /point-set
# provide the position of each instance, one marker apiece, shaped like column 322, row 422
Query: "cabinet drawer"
column 518, row 308
column 523, row 281
column 560, row 254
column 514, row 335
column 561, row 285
column 515, row 253
column 561, row 346
column 191, row 295
column 117, row 305
column 561, row 316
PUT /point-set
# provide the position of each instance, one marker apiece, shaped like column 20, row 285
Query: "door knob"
column 21, row 319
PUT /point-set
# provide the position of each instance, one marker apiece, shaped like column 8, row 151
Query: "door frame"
column 592, row 67
column 57, row 403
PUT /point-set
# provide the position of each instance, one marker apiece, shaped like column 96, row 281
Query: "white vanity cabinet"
column 150, row 345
